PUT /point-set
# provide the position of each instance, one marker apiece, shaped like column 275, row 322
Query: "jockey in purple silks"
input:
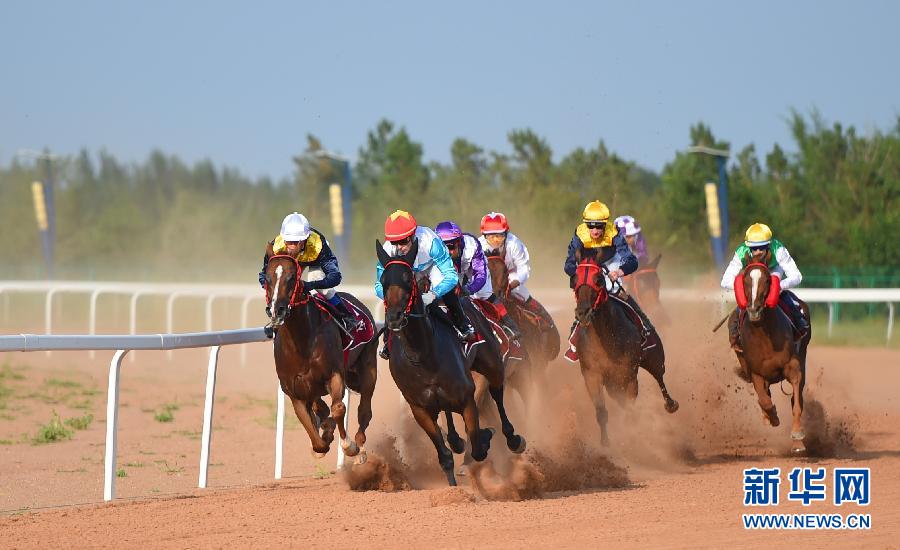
column 471, row 264
column 630, row 229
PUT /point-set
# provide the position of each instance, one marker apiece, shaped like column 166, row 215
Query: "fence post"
column 830, row 317
column 340, row 448
column 112, row 420
column 92, row 322
column 207, row 414
column 279, row 432
column 890, row 329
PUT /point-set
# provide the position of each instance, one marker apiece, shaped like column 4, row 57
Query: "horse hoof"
column 671, row 406
column 519, row 447
column 798, row 436
column 362, row 457
column 318, row 455
column 350, row 447
column 458, row 446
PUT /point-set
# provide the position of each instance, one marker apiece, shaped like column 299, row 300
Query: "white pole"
column 207, row 414
column 170, row 317
column 132, row 316
column 112, row 420
column 92, row 322
column 209, row 310
column 279, row 432
column 5, row 307
column 340, row 448
column 244, row 309
column 48, row 314
column 830, row 317
column 890, row 329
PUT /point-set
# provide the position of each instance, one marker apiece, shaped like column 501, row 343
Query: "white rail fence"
column 122, row 344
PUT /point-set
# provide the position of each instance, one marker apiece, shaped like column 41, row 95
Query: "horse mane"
column 492, row 253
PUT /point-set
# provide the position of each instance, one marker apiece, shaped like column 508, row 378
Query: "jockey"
column 596, row 233
column 631, row 229
column 309, row 247
column 495, row 236
column 758, row 239
column 469, row 261
column 433, row 258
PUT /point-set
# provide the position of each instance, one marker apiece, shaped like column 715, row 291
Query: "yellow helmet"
column 758, row 234
column 595, row 211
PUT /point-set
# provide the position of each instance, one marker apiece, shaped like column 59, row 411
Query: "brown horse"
column 540, row 340
column 309, row 358
column 771, row 352
column 644, row 285
column 610, row 344
column 426, row 360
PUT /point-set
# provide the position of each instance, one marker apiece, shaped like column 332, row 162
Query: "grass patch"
column 134, row 464
column 854, row 332
column 59, row 383
column 171, row 470
column 80, row 422
column 321, row 472
column 121, row 473
column 154, row 490
column 165, row 413
column 53, row 431
column 5, row 442
column 75, row 471
column 189, row 434
column 7, row 372
column 84, row 405
column 146, row 452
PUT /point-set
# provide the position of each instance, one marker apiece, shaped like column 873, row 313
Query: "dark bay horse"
column 610, row 344
column 426, row 360
column 771, row 352
column 309, row 358
column 541, row 342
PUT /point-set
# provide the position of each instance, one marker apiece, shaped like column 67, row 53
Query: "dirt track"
column 671, row 480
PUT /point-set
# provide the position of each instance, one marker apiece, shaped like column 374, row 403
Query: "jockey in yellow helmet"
column 757, row 240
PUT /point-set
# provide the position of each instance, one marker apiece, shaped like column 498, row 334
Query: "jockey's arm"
column 571, row 265
column 262, row 273
column 379, row 290
column 327, row 262
column 479, row 269
column 441, row 258
column 792, row 275
column 519, row 255
column 734, row 267
column 627, row 261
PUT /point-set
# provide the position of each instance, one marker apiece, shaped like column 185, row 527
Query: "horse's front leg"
column 795, row 376
column 593, row 381
column 339, row 411
column 515, row 442
column 770, row 415
column 302, row 410
column 427, row 422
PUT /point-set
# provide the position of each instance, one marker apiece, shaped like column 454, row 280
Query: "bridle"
column 298, row 285
column 414, row 291
column 584, row 278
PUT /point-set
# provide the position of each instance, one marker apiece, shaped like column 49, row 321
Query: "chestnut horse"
column 309, row 358
column 610, row 344
column 771, row 352
column 541, row 343
column 426, row 360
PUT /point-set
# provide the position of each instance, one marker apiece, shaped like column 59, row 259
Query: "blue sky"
column 243, row 83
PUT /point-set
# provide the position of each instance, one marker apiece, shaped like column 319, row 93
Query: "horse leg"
column 427, row 422
column 516, row 443
column 658, row 371
column 319, row 445
column 368, row 374
column 770, row 415
column 480, row 439
column 594, row 383
column 795, row 376
column 339, row 411
column 457, row 444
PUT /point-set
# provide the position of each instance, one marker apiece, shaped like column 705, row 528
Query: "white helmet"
column 628, row 225
column 295, row 227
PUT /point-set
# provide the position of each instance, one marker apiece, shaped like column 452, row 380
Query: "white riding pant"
column 316, row 274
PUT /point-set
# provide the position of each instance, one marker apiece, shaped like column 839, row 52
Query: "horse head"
column 284, row 288
column 399, row 283
column 590, row 286
column 757, row 288
column 497, row 268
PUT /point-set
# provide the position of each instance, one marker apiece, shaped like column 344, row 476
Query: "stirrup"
column 384, row 353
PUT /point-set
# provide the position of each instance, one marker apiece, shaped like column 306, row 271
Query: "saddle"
column 508, row 348
column 365, row 328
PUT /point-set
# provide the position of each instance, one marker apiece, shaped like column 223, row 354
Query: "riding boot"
column 458, row 316
column 346, row 317
column 505, row 318
column 571, row 354
column 796, row 314
column 385, row 352
column 734, row 333
column 648, row 327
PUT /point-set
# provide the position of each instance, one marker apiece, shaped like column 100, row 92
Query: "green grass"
column 121, row 473
column 855, row 332
column 59, row 383
column 189, row 434
column 135, row 464
column 53, row 431
column 321, row 472
column 165, row 413
column 8, row 372
column 75, row 471
column 5, row 442
column 80, row 422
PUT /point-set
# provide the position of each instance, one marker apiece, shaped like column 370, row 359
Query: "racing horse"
column 644, row 285
column 310, row 359
column 771, row 351
column 541, row 342
column 610, row 343
column 426, row 360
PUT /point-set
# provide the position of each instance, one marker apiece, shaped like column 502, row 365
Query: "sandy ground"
column 667, row 480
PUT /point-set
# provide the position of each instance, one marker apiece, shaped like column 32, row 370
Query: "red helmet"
column 399, row 225
column 494, row 222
